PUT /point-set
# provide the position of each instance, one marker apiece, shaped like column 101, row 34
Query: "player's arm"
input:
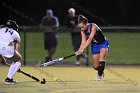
column 17, row 41
column 17, row 46
column 89, row 40
column 83, row 40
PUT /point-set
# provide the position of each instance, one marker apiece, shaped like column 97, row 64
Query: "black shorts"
column 50, row 40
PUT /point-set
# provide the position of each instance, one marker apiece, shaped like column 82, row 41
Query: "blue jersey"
column 99, row 37
column 99, row 41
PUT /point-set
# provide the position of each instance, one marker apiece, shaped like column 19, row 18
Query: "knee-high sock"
column 101, row 67
column 14, row 67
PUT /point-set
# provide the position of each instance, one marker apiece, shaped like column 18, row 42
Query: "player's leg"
column 14, row 67
column 101, row 50
column 96, row 60
column 102, row 58
column 96, row 65
column 95, row 56
column 99, row 62
column 104, row 47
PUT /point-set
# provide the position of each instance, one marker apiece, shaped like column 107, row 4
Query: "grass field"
column 74, row 80
column 124, row 47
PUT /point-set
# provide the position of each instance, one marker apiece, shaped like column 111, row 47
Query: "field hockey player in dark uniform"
column 99, row 44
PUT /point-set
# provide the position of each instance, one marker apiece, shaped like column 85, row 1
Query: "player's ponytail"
column 82, row 19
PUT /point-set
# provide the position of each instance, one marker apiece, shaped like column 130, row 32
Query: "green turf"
column 124, row 47
column 74, row 80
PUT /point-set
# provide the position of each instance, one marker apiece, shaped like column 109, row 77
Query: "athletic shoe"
column 10, row 81
column 98, row 78
column 77, row 63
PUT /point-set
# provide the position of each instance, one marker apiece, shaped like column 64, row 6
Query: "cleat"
column 10, row 81
column 98, row 78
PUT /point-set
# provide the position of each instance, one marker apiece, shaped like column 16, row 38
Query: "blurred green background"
column 124, row 47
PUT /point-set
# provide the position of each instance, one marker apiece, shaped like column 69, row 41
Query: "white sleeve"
column 16, row 37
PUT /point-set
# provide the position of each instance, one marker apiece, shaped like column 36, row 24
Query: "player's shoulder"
column 55, row 18
column 94, row 24
column 4, row 29
column 14, row 32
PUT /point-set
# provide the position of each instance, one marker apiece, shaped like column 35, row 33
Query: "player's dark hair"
column 12, row 24
column 83, row 19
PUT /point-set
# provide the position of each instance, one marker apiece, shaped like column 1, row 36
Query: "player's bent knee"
column 95, row 67
column 18, row 63
column 18, row 59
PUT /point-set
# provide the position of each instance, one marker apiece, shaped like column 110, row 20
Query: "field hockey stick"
column 55, row 61
column 27, row 74
column 33, row 77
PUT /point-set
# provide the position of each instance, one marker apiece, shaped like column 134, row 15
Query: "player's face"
column 84, row 27
column 80, row 25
